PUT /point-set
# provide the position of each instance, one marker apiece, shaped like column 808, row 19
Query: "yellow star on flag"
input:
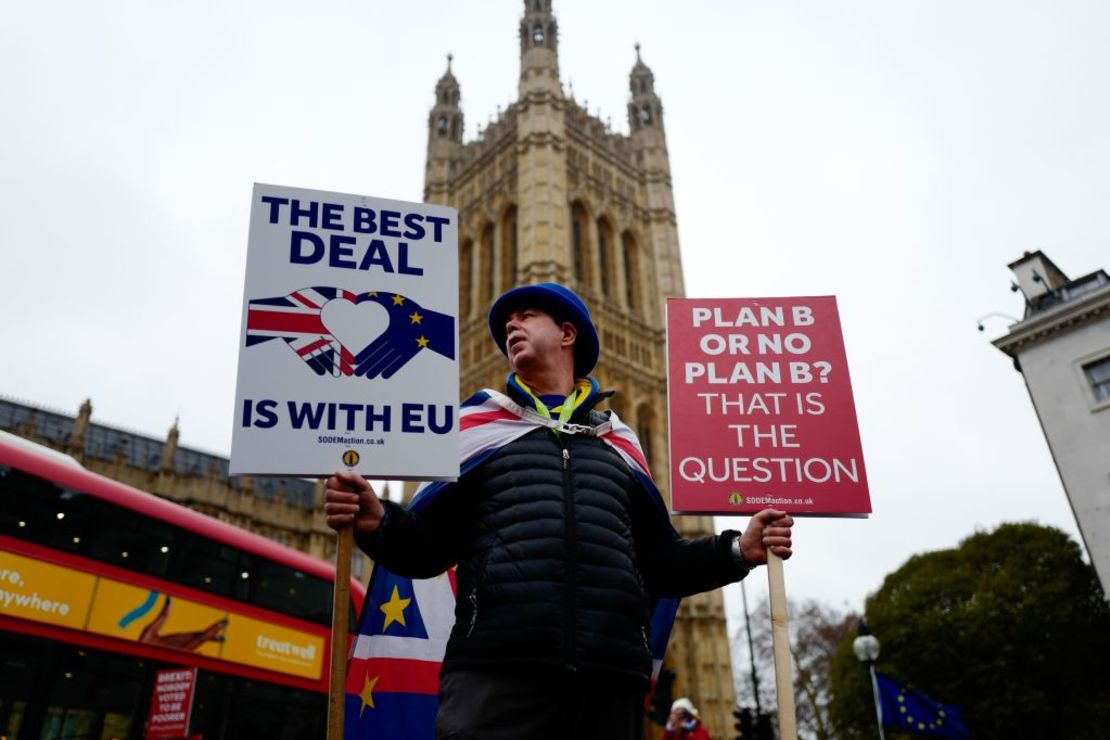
column 416, row 317
column 372, row 294
column 422, row 341
column 398, row 300
column 367, row 693
column 394, row 610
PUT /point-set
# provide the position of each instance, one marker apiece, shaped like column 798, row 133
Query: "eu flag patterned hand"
column 412, row 328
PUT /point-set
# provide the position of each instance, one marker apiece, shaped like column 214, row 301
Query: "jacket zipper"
column 473, row 611
column 568, row 599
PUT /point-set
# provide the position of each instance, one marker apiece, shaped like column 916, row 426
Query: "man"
column 683, row 724
column 562, row 543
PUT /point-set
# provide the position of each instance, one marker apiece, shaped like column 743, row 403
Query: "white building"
column 1062, row 348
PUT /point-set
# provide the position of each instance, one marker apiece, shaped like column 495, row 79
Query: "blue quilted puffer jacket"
column 557, row 546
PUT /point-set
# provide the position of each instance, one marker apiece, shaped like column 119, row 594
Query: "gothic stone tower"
column 549, row 192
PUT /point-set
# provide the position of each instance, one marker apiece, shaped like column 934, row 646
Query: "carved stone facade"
column 286, row 510
column 549, row 192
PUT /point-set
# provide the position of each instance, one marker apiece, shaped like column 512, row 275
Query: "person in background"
column 683, row 724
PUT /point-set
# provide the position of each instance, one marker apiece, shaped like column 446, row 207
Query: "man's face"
column 532, row 338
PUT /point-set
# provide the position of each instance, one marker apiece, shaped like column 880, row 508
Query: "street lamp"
column 866, row 648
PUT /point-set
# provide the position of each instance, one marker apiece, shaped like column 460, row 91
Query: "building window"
column 466, row 276
column 605, row 267
column 1098, row 375
column 487, row 259
column 631, row 272
column 509, row 249
column 579, row 224
column 576, row 238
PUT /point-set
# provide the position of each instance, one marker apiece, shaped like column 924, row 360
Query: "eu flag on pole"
column 909, row 709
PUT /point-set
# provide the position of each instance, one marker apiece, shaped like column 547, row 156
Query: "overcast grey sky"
column 896, row 154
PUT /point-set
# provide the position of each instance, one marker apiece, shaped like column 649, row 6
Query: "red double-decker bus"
column 103, row 585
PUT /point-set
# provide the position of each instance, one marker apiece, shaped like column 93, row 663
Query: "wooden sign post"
column 340, row 619
column 780, row 640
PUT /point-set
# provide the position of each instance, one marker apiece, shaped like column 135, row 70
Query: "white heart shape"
column 355, row 326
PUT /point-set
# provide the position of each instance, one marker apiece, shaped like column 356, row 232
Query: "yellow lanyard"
column 565, row 411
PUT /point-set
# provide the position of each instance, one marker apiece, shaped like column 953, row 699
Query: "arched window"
column 631, row 260
column 579, row 230
column 466, row 276
column 537, row 34
column 485, row 267
column 605, row 248
column 508, row 249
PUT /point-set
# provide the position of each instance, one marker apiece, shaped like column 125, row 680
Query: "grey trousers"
column 535, row 704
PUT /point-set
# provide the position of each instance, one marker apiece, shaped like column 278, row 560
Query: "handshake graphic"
column 336, row 331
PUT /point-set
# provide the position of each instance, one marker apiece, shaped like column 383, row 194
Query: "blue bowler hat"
column 563, row 304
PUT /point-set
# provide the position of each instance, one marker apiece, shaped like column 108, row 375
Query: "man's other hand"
column 769, row 530
column 350, row 500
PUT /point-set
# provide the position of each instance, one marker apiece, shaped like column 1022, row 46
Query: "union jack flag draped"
column 393, row 672
column 296, row 319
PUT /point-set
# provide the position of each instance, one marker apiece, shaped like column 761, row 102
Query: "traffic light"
column 662, row 697
column 763, row 730
column 745, row 725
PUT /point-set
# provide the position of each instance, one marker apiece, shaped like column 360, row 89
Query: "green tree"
column 1011, row 625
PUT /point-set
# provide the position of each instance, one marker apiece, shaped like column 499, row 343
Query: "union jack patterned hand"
column 296, row 319
column 412, row 328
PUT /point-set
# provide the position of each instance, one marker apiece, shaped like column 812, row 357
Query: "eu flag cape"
column 393, row 671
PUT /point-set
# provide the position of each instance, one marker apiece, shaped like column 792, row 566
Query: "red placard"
column 171, row 703
column 761, row 408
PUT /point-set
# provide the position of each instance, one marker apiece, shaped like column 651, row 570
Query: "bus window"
column 212, row 566
column 38, row 511
column 281, row 588
column 225, row 706
column 132, row 541
column 54, row 690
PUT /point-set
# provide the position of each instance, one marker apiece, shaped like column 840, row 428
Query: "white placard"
column 348, row 354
